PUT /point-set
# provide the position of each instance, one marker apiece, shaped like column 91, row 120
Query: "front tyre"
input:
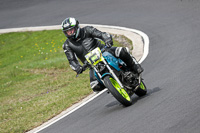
column 120, row 94
column 142, row 90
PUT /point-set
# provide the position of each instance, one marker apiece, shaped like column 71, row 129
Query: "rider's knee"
column 120, row 51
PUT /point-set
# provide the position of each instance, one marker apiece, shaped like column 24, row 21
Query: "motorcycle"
column 114, row 74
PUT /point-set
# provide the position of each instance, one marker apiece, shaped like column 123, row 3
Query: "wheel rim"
column 142, row 86
column 121, row 91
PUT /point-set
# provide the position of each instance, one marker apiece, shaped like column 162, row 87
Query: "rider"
column 83, row 40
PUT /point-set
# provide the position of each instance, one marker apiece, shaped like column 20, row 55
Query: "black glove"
column 79, row 70
column 109, row 45
column 109, row 41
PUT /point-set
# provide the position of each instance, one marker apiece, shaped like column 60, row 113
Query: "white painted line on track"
column 145, row 53
column 73, row 110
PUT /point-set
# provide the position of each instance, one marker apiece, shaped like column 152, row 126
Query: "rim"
column 121, row 91
column 142, row 86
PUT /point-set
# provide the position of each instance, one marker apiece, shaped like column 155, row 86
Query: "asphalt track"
column 172, row 68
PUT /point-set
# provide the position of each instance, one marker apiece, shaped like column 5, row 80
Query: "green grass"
column 36, row 82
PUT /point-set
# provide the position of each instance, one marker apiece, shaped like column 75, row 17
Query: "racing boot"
column 123, row 53
column 138, row 68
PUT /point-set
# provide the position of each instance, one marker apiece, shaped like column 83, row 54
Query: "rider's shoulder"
column 66, row 44
column 88, row 28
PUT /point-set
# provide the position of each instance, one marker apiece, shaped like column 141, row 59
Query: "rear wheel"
column 120, row 94
column 142, row 90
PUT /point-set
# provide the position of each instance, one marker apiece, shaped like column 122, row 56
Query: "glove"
column 79, row 70
column 109, row 45
column 108, row 40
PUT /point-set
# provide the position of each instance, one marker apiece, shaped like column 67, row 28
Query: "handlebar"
column 86, row 64
column 104, row 49
column 84, row 67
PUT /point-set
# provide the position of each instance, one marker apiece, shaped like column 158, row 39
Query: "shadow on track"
column 134, row 98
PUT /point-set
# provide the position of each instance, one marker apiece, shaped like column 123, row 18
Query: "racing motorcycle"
column 114, row 74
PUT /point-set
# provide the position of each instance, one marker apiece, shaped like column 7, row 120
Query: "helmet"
column 71, row 28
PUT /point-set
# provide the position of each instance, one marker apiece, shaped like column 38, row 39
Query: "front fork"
column 139, row 80
column 112, row 73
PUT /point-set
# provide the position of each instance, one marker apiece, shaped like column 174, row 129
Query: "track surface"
column 172, row 68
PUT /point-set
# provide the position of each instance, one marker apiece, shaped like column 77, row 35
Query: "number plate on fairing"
column 94, row 57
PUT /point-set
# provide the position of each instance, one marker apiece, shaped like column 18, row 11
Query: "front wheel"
column 142, row 90
column 120, row 94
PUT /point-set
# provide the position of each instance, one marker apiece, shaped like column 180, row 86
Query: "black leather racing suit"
column 86, row 42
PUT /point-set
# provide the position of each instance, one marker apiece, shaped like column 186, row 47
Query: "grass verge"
column 36, row 82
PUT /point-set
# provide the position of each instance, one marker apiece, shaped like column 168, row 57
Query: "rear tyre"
column 142, row 90
column 120, row 94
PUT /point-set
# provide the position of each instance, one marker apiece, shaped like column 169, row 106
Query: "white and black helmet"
column 71, row 24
